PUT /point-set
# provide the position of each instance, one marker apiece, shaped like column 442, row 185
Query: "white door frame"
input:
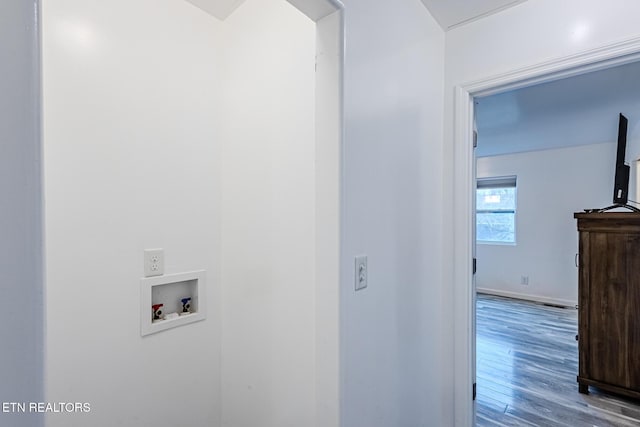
column 329, row 135
column 592, row 60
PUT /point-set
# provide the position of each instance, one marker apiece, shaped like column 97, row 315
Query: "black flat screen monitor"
column 621, row 181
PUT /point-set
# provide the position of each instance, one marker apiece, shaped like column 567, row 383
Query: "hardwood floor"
column 527, row 362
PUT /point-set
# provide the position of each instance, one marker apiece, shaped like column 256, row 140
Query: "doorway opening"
column 464, row 191
column 555, row 143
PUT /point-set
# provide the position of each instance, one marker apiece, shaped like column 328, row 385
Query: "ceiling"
column 574, row 111
column 221, row 9
column 448, row 13
column 453, row 13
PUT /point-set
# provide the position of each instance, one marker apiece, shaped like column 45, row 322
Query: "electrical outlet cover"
column 153, row 262
column 361, row 272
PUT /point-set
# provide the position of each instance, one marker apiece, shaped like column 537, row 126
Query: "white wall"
column 131, row 162
column 551, row 186
column 512, row 38
column 328, row 179
column 268, row 217
column 480, row 49
column 21, row 304
column 396, row 334
column 122, row 104
column 633, row 155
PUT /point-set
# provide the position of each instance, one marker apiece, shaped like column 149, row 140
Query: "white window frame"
column 499, row 182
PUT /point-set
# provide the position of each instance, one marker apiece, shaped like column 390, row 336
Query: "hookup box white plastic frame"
column 167, row 290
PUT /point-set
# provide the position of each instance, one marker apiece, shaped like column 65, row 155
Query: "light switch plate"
column 361, row 272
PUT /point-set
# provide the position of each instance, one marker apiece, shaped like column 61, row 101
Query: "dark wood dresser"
column 609, row 302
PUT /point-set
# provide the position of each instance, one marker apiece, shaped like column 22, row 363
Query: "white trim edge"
column 619, row 53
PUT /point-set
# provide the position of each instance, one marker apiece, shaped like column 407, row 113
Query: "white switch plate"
column 153, row 262
column 361, row 272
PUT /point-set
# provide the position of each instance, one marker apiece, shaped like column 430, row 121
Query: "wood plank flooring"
column 527, row 362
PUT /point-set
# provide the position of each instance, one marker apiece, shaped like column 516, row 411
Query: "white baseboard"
column 535, row 298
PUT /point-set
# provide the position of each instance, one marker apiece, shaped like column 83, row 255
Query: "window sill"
column 489, row 242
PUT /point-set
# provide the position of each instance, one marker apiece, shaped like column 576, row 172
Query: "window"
column 496, row 210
